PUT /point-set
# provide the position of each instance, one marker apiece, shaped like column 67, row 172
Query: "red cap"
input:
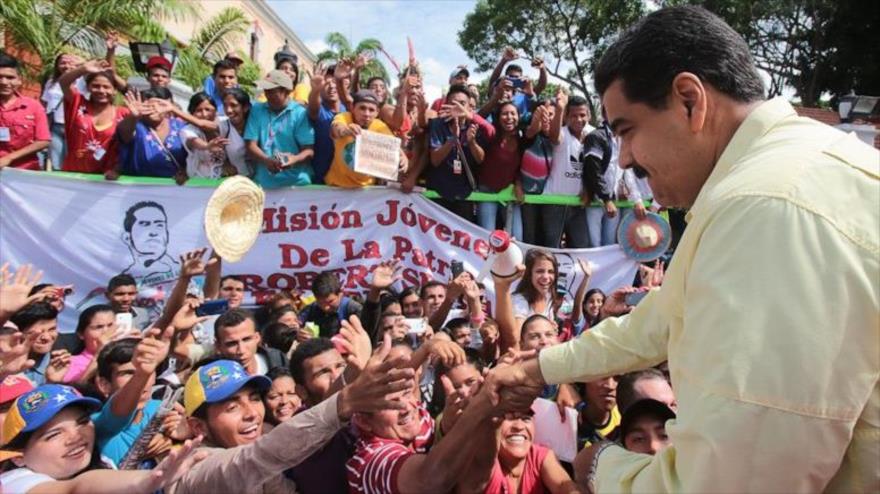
column 14, row 386
column 158, row 61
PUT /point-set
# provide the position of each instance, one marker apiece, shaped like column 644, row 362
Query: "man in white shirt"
column 566, row 171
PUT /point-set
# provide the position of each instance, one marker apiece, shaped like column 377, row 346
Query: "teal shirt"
column 115, row 442
column 287, row 132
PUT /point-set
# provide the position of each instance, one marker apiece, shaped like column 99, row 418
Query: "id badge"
column 99, row 153
column 5, row 135
column 456, row 167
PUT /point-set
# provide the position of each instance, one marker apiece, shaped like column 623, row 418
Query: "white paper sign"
column 377, row 155
column 552, row 432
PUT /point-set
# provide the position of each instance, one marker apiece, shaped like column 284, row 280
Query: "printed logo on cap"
column 214, row 377
column 35, row 401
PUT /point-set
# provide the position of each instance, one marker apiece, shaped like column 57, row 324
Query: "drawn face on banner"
column 147, row 233
column 567, row 268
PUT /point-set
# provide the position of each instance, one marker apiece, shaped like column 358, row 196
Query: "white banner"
column 84, row 232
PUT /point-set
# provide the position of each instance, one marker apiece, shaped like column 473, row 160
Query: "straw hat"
column 234, row 217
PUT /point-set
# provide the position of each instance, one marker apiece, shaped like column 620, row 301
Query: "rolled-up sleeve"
column 244, row 468
column 774, row 362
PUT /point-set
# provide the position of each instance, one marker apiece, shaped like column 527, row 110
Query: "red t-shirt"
column 377, row 461
column 500, row 166
column 530, row 483
column 89, row 150
column 24, row 120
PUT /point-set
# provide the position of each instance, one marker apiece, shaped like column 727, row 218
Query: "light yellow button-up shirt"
column 770, row 319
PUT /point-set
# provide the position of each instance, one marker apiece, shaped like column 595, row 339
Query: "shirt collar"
column 759, row 122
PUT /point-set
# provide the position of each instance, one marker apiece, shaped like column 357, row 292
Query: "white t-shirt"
column 53, row 99
column 565, row 175
column 205, row 164
column 262, row 365
column 21, row 480
column 522, row 310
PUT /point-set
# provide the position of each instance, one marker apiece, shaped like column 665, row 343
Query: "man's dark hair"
column 457, row 88
column 157, row 92
column 430, row 284
column 8, row 62
column 326, row 283
column 224, row 64
column 117, row 352
column 648, row 56
column 626, row 384
column 230, row 277
column 279, row 336
column 457, row 323
column 129, row 214
column 513, row 68
column 119, row 280
column 375, row 78
column 574, row 101
column 38, row 287
column 32, row 314
column 306, row 350
column 232, row 317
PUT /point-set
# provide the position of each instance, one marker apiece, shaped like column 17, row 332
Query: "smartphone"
column 416, row 325
column 212, row 307
column 283, row 158
column 457, row 268
column 337, row 345
column 634, row 298
column 124, row 323
column 518, row 83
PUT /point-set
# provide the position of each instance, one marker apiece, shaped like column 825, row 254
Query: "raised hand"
column 362, row 60
column 59, row 364
column 456, row 402
column 317, row 81
column 160, row 105
column 136, row 104
column 386, row 273
column 657, row 274
column 472, row 133
column 96, row 66
column 111, row 40
column 373, row 389
column 586, row 268
column 14, row 289
column 615, row 304
column 344, row 68
column 509, row 54
column 177, row 463
column 561, row 99
column 186, row 317
column 449, row 353
column 218, row 144
column 151, row 351
column 191, row 263
column 14, row 350
column 355, row 342
column 509, row 280
column 538, row 63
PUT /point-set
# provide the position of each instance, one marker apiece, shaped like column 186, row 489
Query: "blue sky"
column 432, row 25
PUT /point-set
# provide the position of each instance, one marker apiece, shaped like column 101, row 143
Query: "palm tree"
column 48, row 27
column 340, row 47
column 210, row 43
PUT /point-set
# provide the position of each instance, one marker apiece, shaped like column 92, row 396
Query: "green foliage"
column 49, row 27
column 814, row 46
column 341, row 47
column 566, row 33
column 210, row 43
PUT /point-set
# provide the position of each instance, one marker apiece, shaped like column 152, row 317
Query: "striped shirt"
column 377, row 461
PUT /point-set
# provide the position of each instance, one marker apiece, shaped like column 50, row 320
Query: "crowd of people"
column 310, row 392
column 301, row 130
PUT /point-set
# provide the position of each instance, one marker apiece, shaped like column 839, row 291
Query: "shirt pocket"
column 22, row 131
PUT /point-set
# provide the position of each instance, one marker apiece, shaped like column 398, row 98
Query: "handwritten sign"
column 377, row 155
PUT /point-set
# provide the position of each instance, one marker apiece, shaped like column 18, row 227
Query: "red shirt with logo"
column 24, row 120
column 89, row 150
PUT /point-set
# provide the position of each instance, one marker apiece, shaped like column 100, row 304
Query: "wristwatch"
column 594, row 465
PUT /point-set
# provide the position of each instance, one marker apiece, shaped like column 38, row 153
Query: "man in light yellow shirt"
column 769, row 315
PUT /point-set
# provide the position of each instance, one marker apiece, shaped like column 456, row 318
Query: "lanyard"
column 271, row 141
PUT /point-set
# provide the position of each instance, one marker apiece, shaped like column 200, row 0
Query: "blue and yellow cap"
column 216, row 382
column 36, row 407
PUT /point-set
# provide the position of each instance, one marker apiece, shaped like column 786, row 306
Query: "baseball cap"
column 458, row 71
column 643, row 408
column 216, row 382
column 14, row 386
column 365, row 95
column 276, row 78
column 158, row 61
column 36, row 407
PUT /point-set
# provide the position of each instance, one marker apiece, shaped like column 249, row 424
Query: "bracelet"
column 594, row 465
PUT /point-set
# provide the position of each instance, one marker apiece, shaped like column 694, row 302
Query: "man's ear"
column 104, row 386
column 126, row 238
column 689, row 94
column 198, row 427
